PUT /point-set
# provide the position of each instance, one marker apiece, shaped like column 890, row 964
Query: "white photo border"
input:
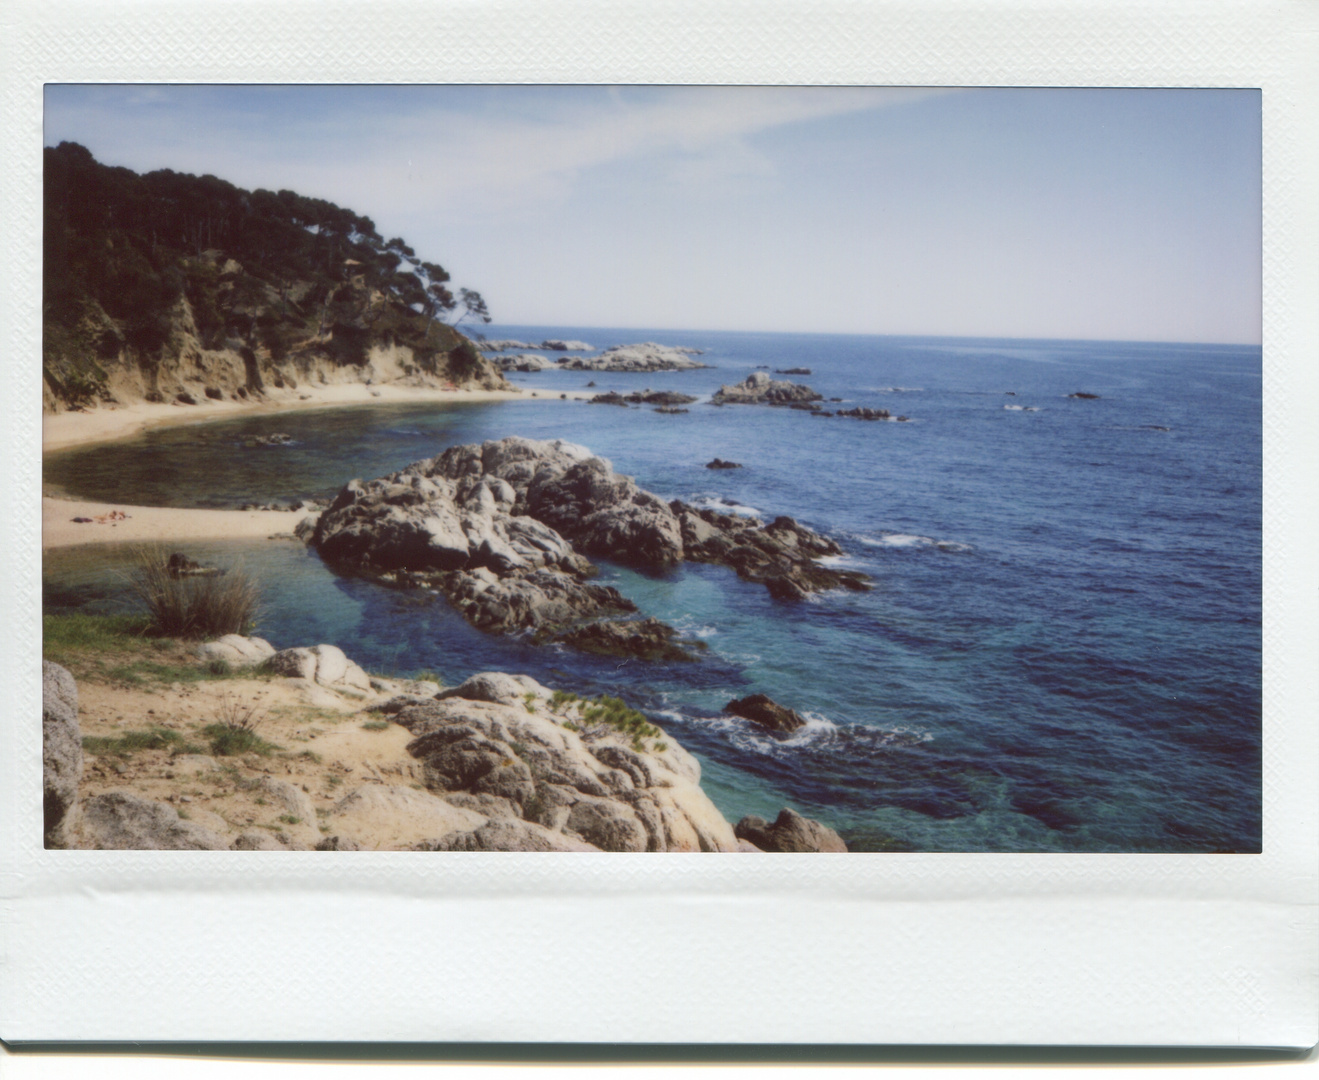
column 1169, row 950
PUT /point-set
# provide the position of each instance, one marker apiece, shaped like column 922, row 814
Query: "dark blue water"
column 1063, row 648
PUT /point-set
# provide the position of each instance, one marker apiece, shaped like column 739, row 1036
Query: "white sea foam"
column 725, row 506
column 897, row 389
column 908, row 540
column 1021, row 408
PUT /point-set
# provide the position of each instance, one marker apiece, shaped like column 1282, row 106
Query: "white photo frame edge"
column 1002, row 949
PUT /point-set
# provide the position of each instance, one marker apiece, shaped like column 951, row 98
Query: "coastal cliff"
column 166, row 287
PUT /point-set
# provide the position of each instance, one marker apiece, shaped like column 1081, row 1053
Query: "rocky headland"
column 505, row 530
column 336, row 760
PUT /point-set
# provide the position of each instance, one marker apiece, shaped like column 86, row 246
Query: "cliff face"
column 163, row 286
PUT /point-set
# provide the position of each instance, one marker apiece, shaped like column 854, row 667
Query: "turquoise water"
column 1063, row 648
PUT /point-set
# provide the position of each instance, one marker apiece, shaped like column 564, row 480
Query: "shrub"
column 235, row 731
column 194, row 607
column 615, row 713
column 375, row 725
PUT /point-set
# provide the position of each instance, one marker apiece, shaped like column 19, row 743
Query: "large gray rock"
column 766, row 712
column 790, row 833
column 559, row 768
column 237, row 651
column 122, row 820
column 61, row 751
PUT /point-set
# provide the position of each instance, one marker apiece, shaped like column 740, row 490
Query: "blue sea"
column 1062, row 651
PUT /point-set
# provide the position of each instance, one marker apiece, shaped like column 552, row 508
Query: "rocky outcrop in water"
column 523, row 362
column 558, row 345
column 763, row 710
column 759, row 389
column 644, row 397
column 504, row 530
column 720, row 463
column 647, row 356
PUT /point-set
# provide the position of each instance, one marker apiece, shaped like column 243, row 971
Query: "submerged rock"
column 720, row 463
column 863, row 413
column 1082, row 394
column 761, row 709
column 643, row 639
column 759, row 389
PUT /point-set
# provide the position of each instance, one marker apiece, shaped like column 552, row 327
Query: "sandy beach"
column 144, row 524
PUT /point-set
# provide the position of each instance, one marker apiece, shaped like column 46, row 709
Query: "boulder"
column 237, row 651
column 506, row 836
column 256, row 841
column 762, row 710
column 61, row 752
column 496, row 687
column 720, row 463
column 325, row 665
column 556, row 765
column 790, row 833
column 120, row 820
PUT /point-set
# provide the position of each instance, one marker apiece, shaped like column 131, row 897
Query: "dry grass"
column 194, row 607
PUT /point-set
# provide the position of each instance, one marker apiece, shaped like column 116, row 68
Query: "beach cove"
column 941, row 714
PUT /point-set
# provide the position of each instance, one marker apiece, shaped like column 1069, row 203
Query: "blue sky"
column 1118, row 214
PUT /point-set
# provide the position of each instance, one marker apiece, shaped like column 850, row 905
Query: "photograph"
column 652, row 468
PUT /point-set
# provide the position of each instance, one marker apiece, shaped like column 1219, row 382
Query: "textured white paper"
column 1085, row 949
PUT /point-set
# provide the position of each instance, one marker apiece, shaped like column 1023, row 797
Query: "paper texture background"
column 1090, row 949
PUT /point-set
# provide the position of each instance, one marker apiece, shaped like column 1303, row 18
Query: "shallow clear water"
column 1062, row 651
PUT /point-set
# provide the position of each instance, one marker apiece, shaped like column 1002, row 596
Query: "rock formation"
column 759, row 389
column 61, row 752
column 504, row 529
column 644, row 397
column 557, row 774
column 647, row 356
column 761, row 709
column 790, row 833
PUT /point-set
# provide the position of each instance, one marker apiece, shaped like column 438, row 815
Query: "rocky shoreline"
column 497, row 763
column 505, row 530
column 647, row 356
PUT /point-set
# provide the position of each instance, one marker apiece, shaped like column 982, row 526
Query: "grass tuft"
column 615, row 713
column 194, row 607
column 235, row 731
column 124, row 745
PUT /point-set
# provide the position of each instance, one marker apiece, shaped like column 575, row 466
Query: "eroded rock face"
column 542, row 786
column 237, row 650
column 759, row 389
column 504, row 529
column 790, row 832
column 61, row 751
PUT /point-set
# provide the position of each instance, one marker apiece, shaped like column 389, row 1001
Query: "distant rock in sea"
column 720, row 463
column 792, row 371
column 504, row 344
column 523, row 362
column 645, row 397
column 759, row 389
column 1083, row 394
column 556, row 345
column 647, row 356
